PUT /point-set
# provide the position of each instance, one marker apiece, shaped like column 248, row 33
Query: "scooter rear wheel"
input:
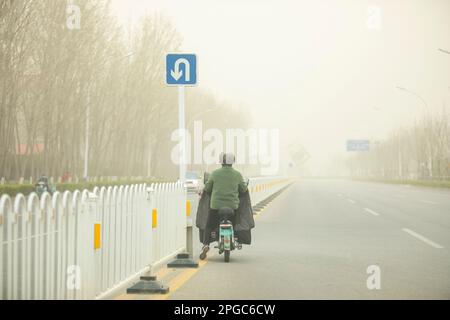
column 227, row 256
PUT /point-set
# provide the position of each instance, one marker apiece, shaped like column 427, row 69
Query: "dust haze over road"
column 338, row 113
column 323, row 72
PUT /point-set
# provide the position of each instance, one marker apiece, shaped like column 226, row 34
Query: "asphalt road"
column 318, row 239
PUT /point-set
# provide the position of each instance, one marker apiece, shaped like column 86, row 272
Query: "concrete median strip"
column 261, row 206
column 422, row 238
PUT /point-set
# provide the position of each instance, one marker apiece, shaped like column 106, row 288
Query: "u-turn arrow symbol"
column 177, row 73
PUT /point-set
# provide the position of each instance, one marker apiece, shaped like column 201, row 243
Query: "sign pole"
column 181, row 71
column 181, row 77
column 182, row 131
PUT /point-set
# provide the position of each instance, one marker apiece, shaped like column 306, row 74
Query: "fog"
column 320, row 71
column 333, row 114
column 83, row 88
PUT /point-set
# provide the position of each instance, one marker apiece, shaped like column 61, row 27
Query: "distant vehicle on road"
column 193, row 181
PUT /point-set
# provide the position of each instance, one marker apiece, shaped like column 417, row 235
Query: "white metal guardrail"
column 79, row 245
column 74, row 179
column 82, row 245
column 262, row 188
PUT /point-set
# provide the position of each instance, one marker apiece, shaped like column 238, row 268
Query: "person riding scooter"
column 224, row 185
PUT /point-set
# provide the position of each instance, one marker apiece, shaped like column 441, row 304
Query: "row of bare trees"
column 68, row 76
column 421, row 151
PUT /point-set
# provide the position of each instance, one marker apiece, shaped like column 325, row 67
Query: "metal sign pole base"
column 183, row 260
column 148, row 285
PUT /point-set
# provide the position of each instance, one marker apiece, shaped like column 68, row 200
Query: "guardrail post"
column 183, row 260
column 189, row 231
column 96, row 244
column 152, row 223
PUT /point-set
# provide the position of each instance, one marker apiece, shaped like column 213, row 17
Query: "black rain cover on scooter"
column 244, row 220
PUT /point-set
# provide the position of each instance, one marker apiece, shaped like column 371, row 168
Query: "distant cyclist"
column 224, row 185
column 42, row 185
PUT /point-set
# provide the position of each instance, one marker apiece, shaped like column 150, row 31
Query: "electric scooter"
column 227, row 241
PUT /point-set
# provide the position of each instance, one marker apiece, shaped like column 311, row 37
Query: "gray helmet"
column 227, row 159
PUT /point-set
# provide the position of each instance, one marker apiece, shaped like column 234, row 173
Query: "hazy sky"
column 321, row 71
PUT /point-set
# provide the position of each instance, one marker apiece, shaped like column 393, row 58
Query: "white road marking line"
column 351, row 201
column 372, row 212
column 427, row 201
column 420, row 237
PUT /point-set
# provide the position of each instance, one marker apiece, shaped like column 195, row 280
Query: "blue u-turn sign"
column 181, row 69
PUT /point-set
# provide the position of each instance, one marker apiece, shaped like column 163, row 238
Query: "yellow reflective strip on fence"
column 154, row 218
column 97, row 236
column 188, row 208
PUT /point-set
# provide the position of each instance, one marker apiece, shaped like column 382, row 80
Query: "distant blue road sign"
column 358, row 145
column 181, row 69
